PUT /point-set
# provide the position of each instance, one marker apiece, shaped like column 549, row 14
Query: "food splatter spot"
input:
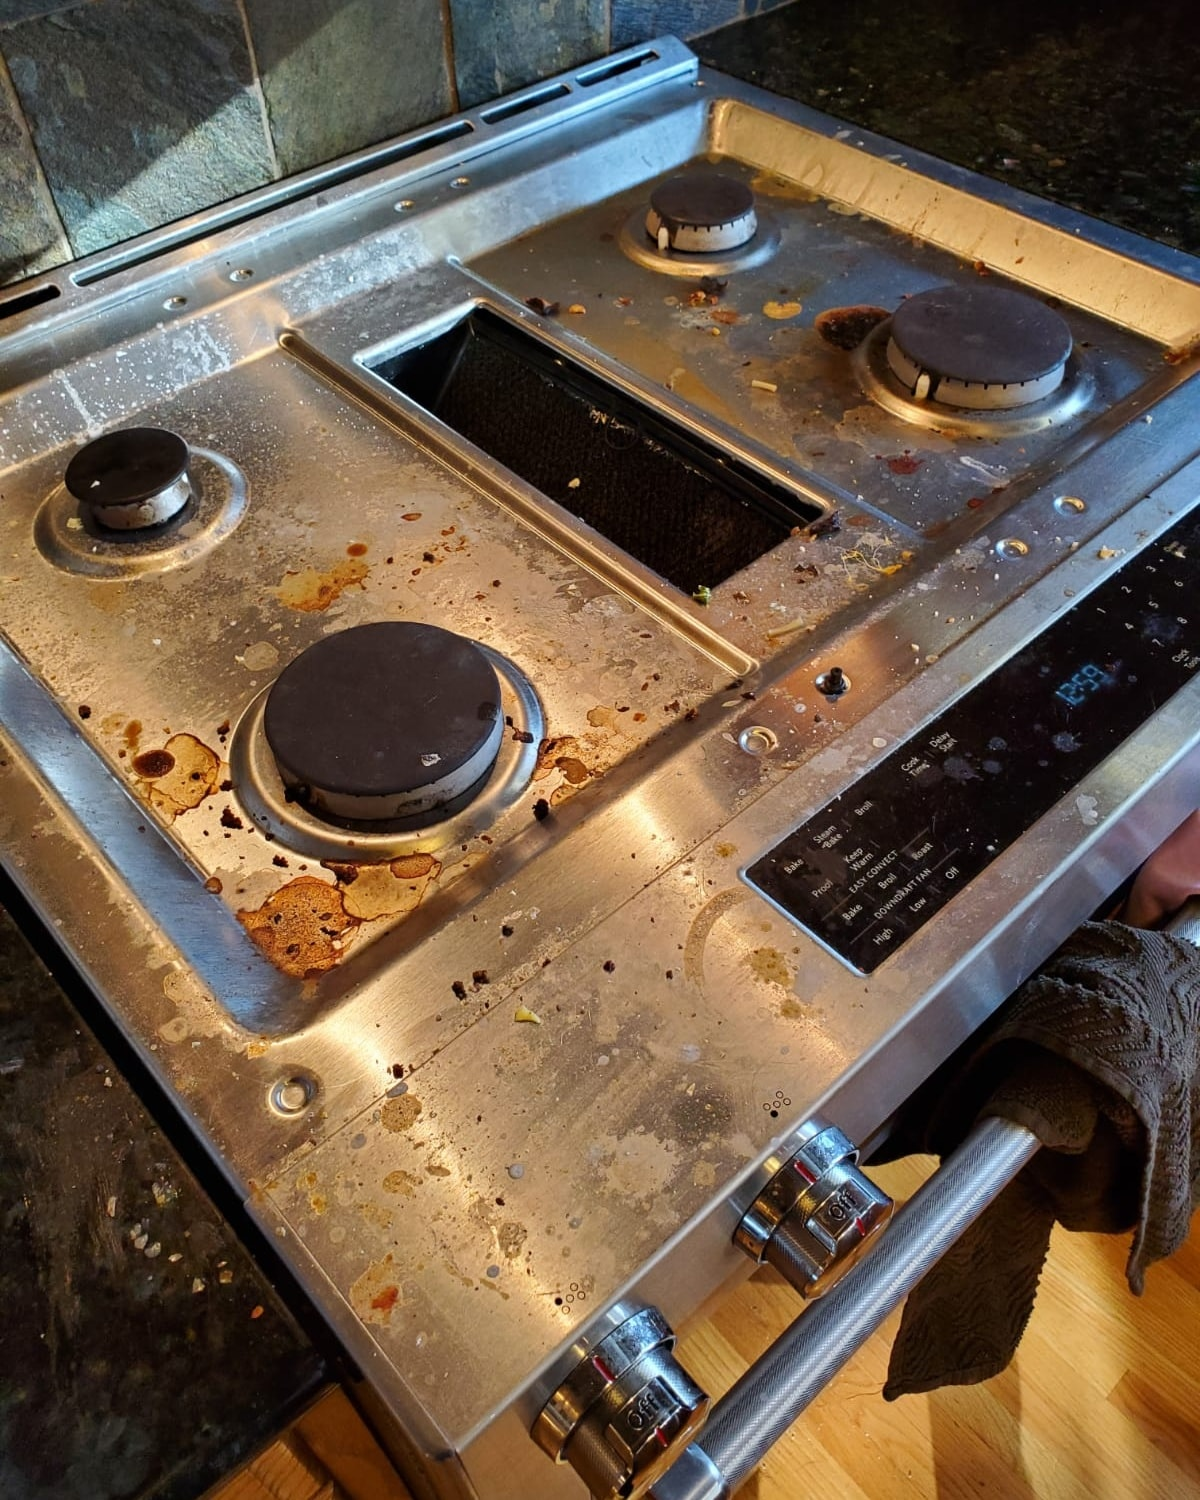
column 846, row 327
column 401, row 1182
column 302, row 927
column 312, row 592
column 770, row 964
column 179, row 776
column 375, row 1294
column 904, row 463
column 389, row 890
column 401, row 1113
column 725, row 850
column 213, row 885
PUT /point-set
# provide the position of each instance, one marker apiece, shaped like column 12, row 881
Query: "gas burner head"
column 385, row 722
column 700, row 223
column 978, row 348
column 700, row 213
column 132, row 479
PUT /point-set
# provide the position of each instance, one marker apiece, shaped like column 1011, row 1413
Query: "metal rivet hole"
column 758, row 740
column 292, row 1095
column 1012, row 546
column 1070, row 505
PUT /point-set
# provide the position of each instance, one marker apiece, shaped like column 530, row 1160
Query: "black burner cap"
column 981, row 335
column 701, row 199
column 121, row 468
column 382, row 710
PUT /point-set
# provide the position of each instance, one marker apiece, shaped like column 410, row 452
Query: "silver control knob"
column 626, row 1411
column 817, row 1213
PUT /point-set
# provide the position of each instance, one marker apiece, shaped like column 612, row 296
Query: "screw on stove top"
column 130, row 479
column 833, row 683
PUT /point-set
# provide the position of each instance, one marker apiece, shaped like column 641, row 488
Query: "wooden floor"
column 1102, row 1402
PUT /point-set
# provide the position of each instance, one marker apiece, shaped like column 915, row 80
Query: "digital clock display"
column 1083, row 684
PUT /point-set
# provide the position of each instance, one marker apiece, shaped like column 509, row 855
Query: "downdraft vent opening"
column 670, row 497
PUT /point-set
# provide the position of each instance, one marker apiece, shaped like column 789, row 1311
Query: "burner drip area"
column 385, row 722
column 132, row 479
column 978, row 348
column 701, row 213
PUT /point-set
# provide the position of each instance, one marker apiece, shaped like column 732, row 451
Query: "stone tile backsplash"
column 117, row 116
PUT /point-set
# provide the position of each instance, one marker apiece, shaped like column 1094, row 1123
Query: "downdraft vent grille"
column 668, row 496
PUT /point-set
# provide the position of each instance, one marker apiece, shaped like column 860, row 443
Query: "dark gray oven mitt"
column 1098, row 1055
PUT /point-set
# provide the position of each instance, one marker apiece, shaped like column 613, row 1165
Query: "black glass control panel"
column 878, row 861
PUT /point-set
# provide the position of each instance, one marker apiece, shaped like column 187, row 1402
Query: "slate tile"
column 12, row 11
column 637, row 20
column 498, row 48
column 31, row 235
column 142, row 111
column 338, row 77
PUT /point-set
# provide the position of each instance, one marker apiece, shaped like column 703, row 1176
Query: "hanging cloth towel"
column 1099, row 1056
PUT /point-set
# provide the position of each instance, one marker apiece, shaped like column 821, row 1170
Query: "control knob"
column 817, row 1214
column 625, row 1412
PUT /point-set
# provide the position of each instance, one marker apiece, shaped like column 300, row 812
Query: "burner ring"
column 68, row 537
column 701, row 213
column 261, row 791
column 639, row 247
column 131, row 479
column 880, row 382
column 978, row 348
column 387, row 721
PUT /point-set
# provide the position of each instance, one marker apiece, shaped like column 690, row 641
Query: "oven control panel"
column 878, row 861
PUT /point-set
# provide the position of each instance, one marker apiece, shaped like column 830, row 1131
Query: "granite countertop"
column 142, row 1353
column 1090, row 103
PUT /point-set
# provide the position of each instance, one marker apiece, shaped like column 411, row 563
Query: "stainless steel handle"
column 782, row 1382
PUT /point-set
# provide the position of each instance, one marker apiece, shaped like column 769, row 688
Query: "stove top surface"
column 481, row 1039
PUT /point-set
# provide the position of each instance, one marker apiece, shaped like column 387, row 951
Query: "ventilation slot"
column 23, row 301
column 604, row 71
column 526, row 102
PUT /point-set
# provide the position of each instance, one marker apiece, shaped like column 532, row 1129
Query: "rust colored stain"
column 179, row 776
column 302, row 927
column 400, row 1114
column 375, row 1294
column 573, row 769
column 213, row 885
column 846, row 327
column 726, row 315
column 356, row 549
column 904, row 463
column 391, row 890
column 311, row 592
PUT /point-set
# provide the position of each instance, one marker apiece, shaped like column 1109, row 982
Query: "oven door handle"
column 773, row 1392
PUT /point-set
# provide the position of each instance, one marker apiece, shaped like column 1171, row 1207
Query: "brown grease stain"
column 302, row 927
column 401, row 1182
column 179, row 775
column 391, row 890
column 400, row 1114
column 356, row 549
column 213, row 885
column 154, row 763
column 846, row 327
column 312, row 592
column 770, row 964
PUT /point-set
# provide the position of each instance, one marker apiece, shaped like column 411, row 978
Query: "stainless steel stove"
column 540, row 659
